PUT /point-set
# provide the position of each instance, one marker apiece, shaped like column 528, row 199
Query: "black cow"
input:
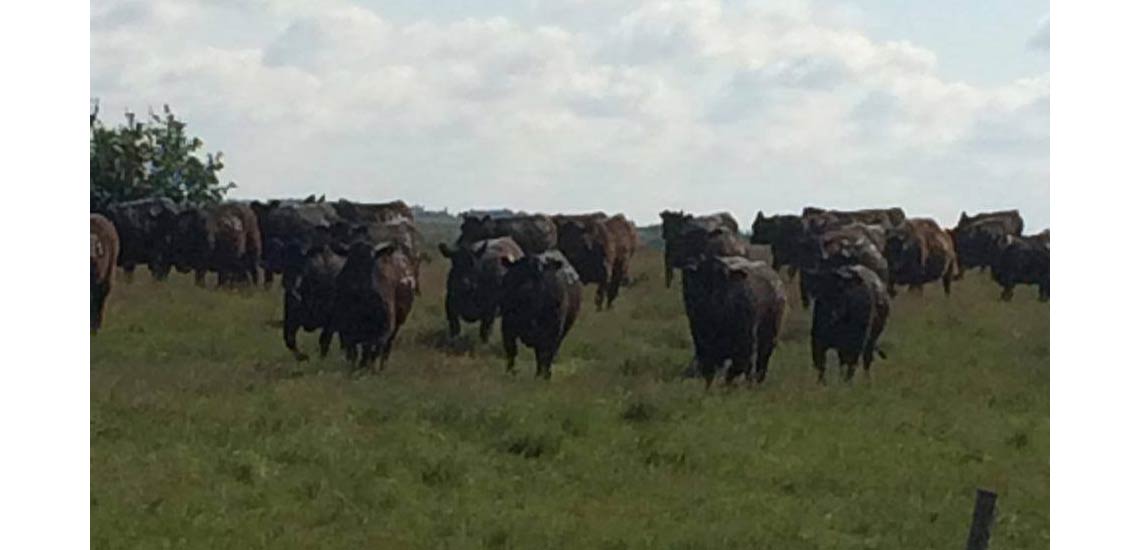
column 851, row 309
column 310, row 290
column 674, row 226
column 375, row 290
column 784, row 233
column 145, row 228
column 541, row 299
column 1023, row 260
column 851, row 244
column 286, row 224
column 474, row 283
column 223, row 238
column 735, row 309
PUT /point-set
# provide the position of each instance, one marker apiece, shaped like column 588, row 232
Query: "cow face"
column 463, row 278
column 671, row 224
column 475, row 228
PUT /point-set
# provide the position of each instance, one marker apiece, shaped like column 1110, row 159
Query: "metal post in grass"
column 985, row 505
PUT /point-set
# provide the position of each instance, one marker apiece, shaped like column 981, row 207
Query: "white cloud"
column 693, row 104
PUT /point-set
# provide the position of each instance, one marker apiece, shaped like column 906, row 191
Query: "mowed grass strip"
column 206, row 433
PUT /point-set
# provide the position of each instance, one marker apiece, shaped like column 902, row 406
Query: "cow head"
column 671, row 223
column 190, row 242
column 524, row 273
column 475, row 228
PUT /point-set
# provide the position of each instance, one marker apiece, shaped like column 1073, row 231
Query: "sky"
column 619, row 105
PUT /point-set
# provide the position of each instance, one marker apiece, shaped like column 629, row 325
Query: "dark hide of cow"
column 541, row 299
column 851, row 310
column 104, row 256
column 475, row 282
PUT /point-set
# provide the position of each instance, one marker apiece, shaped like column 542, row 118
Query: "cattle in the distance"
column 475, row 282
column 735, row 309
column 784, row 233
column 920, row 252
column 541, row 299
column 368, row 213
column 288, row 223
column 375, row 290
column 309, row 285
column 851, row 310
column 600, row 248
column 977, row 239
column 145, row 228
column 104, row 255
column 1023, row 260
column 534, row 233
column 223, row 238
column 685, row 233
column 886, row 217
column 851, row 244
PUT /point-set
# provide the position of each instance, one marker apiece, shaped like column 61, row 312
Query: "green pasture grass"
column 205, row 433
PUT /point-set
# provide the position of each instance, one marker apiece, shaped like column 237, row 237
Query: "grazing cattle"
column 145, row 228
column 223, row 238
column 919, row 252
column 1023, row 260
column 886, row 217
column 535, row 234
column 784, row 233
column 977, row 238
column 369, row 213
column 289, row 224
column 104, row 256
column 849, row 244
column 541, row 299
column 375, row 290
column 600, row 249
column 475, row 282
column 685, row 234
column 851, row 310
column 735, row 309
column 310, row 289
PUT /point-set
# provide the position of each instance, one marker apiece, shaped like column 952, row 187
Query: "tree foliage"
column 155, row 158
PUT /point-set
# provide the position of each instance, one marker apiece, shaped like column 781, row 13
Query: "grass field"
column 206, row 434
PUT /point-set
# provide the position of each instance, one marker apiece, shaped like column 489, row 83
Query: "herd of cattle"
column 351, row 270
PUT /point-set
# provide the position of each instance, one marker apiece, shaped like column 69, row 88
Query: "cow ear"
column 445, row 250
column 383, row 249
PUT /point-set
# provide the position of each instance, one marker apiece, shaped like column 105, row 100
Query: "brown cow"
column 600, row 250
column 977, row 238
column 535, row 234
column 919, row 252
column 104, row 256
column 224, row 238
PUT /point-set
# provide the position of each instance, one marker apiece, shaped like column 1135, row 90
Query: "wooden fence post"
column 984, row 507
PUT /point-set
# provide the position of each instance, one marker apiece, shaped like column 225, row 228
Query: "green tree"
column 153, row 159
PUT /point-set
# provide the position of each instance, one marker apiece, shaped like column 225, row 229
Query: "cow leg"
column 819, row 360
column 510, row 347
column 600, row 295
column 740, row 365
column 708, row 371
column 805, row 294
column 289, row 333
column 200, row 277
column 129, row 271
column 1007, row 293
column 387, row 350
column 485, row 326
column 98, row 302
column 325, row 340
column 868, row 357
column 268, row 279
column 949, row 276
column 543, row 359
column 891, row 289
column 668, row 274
column 763, row 356
column 452, row 321
column 612, row 289
column 1043, row 292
